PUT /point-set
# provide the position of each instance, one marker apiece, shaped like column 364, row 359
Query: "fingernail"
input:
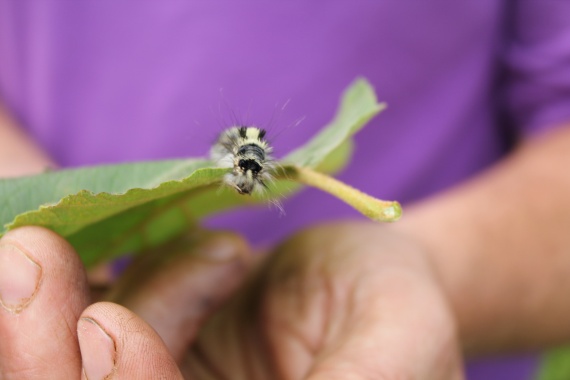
column 98, row 350
column 19, row 278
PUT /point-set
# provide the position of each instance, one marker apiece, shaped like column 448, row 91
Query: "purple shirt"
column 105, row 82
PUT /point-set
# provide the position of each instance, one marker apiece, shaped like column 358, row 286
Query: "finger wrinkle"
column 287, row 328
column 57, row 320
column 129, row 325
column 347, row 368
column 329, row 307
column 23, row 369
column 70, row 330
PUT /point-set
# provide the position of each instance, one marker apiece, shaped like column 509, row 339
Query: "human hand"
column 348, row 301
column 336, row 302
column 44, row 300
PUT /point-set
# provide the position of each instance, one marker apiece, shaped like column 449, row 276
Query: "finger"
column 116, row 344
column 346, row 311
column 400, row 332
column 42, row 293
column 176, row 294
column 405, row 333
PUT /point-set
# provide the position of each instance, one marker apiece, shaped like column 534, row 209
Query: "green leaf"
column 555, row 365
column 358, row 106
column 109, row 210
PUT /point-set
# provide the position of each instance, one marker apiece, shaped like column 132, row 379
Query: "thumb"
column 116, row 344
column 175, row 292
column 405, row 333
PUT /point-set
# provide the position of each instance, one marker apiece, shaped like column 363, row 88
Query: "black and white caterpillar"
column 245, row 150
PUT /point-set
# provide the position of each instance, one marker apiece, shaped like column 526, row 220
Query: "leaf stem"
column 375, row 209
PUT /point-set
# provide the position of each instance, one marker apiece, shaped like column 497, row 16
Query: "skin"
column 499, row 243
column 298, row 316
column 481, row 268
column 19, row 155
